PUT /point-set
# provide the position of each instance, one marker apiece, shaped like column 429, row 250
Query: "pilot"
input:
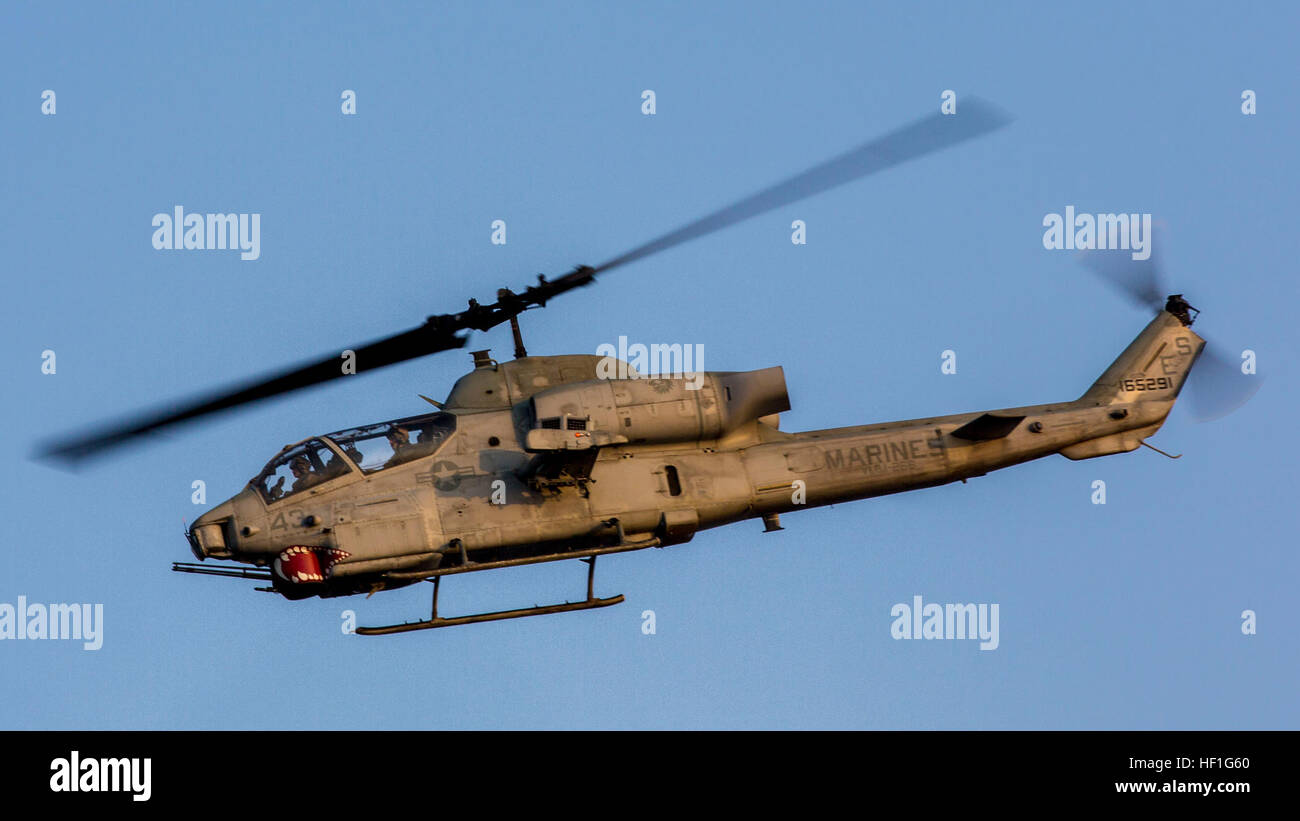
column 399, row 439
column 426, row 442
column 303, row 477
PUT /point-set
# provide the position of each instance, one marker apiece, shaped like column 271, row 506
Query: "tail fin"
column 1153, row 367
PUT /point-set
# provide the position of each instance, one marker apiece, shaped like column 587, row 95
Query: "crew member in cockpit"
column 303, row 477
column 399, row 439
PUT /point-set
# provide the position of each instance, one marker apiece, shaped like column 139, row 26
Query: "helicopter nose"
column 213, row 534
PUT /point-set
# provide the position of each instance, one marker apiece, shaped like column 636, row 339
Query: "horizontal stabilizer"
column 987, row 426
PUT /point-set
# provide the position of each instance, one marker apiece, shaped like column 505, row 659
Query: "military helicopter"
column 547, row 458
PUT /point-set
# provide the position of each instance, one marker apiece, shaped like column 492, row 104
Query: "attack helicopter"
column 549, row 458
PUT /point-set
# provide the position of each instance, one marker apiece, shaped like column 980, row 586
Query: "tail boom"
column 1127, row 404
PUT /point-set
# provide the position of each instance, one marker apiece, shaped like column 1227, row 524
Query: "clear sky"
column 1123, row 615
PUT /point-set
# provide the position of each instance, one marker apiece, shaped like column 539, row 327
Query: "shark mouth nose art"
column 306, row 564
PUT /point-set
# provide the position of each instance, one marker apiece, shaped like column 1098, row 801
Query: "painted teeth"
column 327, row 555
column 335, row 556
column 298, row 549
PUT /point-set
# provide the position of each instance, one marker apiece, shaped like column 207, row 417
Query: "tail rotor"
column 1217, row 385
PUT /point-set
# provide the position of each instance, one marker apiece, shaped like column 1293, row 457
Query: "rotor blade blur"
column 380, row 353
column 1217, row 387
column 927, row 135
column 1138, row 279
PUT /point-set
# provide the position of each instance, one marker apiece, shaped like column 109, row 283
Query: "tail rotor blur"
column 1217, row 385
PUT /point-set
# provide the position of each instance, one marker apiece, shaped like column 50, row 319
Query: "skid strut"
column 435, row 620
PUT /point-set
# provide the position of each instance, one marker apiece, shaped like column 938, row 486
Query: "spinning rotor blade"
column 443, row 332
column 409, row 345
column 1137, row 279
column 1216, row 386
column 927, row 135
column 438, row 333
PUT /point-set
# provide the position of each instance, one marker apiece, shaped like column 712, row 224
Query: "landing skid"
column 436, row 621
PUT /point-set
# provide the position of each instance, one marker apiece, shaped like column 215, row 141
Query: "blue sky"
column 1125, row 615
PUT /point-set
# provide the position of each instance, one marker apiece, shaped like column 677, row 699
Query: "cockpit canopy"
column 387, row 444
column 368, row 448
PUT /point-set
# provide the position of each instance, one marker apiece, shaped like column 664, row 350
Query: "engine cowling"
column 651, row 410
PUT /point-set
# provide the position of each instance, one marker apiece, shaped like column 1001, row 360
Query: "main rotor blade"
column 927, row 135
column 426, row 339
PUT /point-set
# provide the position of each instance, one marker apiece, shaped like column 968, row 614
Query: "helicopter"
column 552, row 458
